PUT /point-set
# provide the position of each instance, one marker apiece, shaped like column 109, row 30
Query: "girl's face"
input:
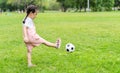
column 33, row 15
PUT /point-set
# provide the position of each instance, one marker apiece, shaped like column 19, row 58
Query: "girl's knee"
column 29, row 50
column 29, row 47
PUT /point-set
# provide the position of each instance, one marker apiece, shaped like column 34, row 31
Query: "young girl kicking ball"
column 31, row 38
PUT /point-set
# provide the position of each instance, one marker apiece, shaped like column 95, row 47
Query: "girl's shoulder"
column 28, row 22
column 28, row 19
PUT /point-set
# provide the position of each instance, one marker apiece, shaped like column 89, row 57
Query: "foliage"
column 64, row 5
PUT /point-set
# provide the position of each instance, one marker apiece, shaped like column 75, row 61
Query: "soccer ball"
column 70, row 47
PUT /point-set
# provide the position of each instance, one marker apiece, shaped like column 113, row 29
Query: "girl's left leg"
column 29, row 52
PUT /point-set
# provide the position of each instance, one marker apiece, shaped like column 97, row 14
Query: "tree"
column 108, row 4
column 84, row 4
column 19, row 3
column 3, row 5
column 117, row 4
column 65, row 4
column 96, row 5
column 102, row 5
column 79, row 4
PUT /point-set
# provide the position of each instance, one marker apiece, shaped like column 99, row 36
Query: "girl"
column 31, row 38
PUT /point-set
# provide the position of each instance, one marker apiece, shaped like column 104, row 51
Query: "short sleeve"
column 28, row 23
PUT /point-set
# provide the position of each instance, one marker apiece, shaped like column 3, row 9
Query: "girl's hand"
column 26, row 39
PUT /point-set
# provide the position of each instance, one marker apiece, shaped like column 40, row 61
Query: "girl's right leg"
column 56, row 45
column 40, row 40
column 43, row 41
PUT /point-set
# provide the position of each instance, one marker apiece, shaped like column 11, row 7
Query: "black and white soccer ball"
column 70, row 47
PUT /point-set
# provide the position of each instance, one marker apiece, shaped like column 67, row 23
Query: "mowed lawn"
column 96, row 37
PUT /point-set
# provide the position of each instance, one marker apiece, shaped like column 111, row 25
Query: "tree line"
column 95, row 5
column 63, row 5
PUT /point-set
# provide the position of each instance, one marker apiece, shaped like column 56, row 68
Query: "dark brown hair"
column 30, row 8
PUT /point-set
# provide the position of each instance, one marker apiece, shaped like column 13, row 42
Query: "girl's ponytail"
column 25, row 19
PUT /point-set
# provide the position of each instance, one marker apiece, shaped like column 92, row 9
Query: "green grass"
column 96, row 37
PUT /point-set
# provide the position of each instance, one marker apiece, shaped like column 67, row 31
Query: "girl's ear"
column 30, row 12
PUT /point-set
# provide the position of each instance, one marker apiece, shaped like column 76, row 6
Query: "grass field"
column 95, row 35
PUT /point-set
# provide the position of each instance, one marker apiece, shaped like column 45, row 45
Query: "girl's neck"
column 30, row 17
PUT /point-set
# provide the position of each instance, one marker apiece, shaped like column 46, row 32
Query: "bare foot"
column 58, row 43
column 31, row 65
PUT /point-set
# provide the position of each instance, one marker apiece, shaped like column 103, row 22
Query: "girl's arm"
column 25, row 34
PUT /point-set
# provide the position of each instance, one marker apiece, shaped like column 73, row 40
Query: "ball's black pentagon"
column 71, row 48
column 68, row 45
column 67, row 50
